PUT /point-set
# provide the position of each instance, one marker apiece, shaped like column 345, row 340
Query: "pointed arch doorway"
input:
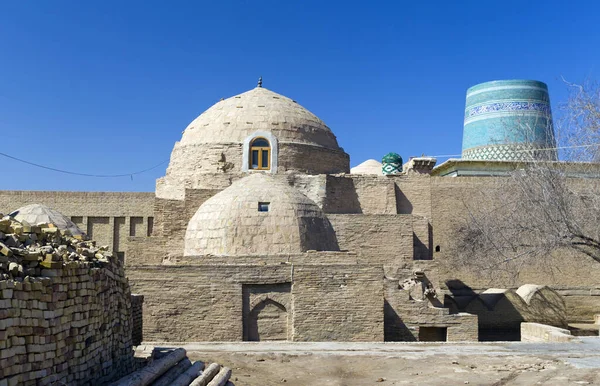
column 266, row 316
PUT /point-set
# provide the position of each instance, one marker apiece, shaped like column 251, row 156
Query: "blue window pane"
column 254, row 159
column 260, row 142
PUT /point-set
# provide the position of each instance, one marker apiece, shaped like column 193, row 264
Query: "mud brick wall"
column 577, row 277
column 378, row 194
column 386, row 239
column 70, row 326
column 149, row 250
column 202, row 303
column 404, row 318
column 359, row 194
column 137, row 324
column 413, row 195
column 107, row 217
column 205, row 302
column 338, row 303
column 99, row 204
column 292, row 155
column 312, row 186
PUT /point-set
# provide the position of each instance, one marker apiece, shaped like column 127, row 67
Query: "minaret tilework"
column 508, row 120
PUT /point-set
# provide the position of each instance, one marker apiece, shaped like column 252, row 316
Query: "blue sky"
column 106, row 87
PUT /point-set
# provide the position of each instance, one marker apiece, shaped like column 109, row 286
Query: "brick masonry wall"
column 577, row 277
column 147, row 250
column 167, row 222
column 70, row 326
column 101, row 204
column 313, row 187
column 340, row 196
column 295, row 157
column 183, row 303
column 422, row 238
column 366, row 194
column 413, row 195
column 360, row 194
column 105, row 216
column 205, row 302
column 386, row 239
column 99, row 228
column 405, row 316
column 338, row 303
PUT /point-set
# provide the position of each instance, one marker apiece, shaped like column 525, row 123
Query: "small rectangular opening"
column 263, row 206
column 433, row 334
column 135, row 225
column 150, row 226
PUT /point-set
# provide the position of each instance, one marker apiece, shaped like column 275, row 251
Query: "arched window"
column 260, row 154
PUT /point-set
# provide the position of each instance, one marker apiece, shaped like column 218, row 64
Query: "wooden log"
column 153, row 371
column 189, row 375
column 221, row 378
column 167, row 378
column 207, row 375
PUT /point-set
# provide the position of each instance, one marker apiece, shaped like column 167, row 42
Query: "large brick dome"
column 259, row 214
column 217, row 141
column 235, row 118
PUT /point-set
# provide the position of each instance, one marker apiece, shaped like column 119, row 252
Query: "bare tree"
column 580, row 125
column 542, row 206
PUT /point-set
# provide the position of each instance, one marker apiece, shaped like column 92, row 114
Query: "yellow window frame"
column 261, row 150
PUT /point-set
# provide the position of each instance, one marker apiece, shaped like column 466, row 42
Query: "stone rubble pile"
column 65, row 309
column 26, row 249
column 171, row 367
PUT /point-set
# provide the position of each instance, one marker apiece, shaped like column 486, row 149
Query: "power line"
column 165, row 161
column 84, row 174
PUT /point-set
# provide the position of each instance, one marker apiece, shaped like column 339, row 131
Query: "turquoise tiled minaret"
column 508, row 120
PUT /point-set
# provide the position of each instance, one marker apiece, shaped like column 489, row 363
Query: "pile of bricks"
column 65, row 309
column 25, row 249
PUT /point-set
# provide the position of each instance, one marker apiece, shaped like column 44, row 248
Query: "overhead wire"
column 166, row 160
column 83, row 174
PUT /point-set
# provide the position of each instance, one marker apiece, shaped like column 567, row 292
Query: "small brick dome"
column 370, row 166
column 258, row 215
column 37, row 213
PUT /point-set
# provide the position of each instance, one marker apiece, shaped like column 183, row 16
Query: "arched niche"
column 268, row 320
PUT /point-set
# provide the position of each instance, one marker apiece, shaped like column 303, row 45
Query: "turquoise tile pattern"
column 391, row 163
column 508, row 120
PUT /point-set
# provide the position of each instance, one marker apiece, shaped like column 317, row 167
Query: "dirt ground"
column 411, row 364
column 341, row 370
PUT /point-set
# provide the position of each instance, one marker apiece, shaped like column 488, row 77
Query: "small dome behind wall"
column 370, row 166
column 36, row 214
column 258, row 214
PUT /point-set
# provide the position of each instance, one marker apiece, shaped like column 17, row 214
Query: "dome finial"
column 259, row 82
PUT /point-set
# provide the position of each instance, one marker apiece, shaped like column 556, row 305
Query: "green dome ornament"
column 391, row 164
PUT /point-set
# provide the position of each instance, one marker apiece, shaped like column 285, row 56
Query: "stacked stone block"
column 65, row 309
column 107, row 215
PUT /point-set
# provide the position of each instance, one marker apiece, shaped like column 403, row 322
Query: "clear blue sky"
column 107, row 87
